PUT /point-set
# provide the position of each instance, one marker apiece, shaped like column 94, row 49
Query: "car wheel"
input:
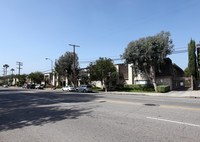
column 84, row 91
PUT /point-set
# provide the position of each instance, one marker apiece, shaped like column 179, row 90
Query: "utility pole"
column 74, row 46
column 19, row 64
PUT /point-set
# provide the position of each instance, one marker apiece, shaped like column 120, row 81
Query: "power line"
column 181, row 48
column 179, row 51
column 116, row 59
column 46, row 71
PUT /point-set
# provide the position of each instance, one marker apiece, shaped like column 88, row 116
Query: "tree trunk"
column 153, row 78
column 106, row 89
column 104, row 85
column 192, row 82
column 155, row 85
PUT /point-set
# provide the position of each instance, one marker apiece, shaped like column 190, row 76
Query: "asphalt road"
column 55, row 116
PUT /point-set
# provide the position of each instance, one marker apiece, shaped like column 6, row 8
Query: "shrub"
column 119, row 86
column 50, row 86
column 163, row 88
column 187, row 83
column 58, row 87
column 96, row 89
column 139, row 87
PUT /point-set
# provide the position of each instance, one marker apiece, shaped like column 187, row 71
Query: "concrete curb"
column 195, row 94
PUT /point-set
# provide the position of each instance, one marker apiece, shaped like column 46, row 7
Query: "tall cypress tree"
column 192, row 64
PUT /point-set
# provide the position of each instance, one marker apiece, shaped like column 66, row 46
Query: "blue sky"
column 31, row 30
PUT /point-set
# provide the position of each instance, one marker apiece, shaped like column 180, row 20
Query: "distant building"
column 51, row 78
column 166, row 74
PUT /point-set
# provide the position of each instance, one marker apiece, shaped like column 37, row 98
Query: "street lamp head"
column 74, row 45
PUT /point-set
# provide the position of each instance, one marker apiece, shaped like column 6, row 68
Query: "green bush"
column 133, row 86
column 59, row 87
column 96, row 89
column 119, row 86
column 187, row 83
column 139, row 87
column 163, row 88
column 1, row 83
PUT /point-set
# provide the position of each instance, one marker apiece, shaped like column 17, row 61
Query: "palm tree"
column 5, row 67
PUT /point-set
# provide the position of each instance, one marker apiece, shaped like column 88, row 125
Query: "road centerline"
column 137, row 103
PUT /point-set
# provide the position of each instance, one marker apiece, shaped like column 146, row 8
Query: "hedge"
column 147, row 87
column 163, row 88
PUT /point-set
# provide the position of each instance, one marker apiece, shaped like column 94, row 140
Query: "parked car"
column 30, row 86
column 68, row 88
column 5, row 86
column 84, row 88
column 24, row 86
column 39, row 86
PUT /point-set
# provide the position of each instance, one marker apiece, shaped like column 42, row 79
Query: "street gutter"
column 184, row 94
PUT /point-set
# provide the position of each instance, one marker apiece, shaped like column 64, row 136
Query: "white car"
column 5, row 86
column 68, row 88
column 84, row 88
column 39, row 86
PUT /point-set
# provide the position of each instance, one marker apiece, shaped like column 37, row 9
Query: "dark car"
column 30, row 86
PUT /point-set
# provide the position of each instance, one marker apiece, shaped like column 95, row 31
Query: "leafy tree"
column 22, row 79
column 36, row 77
column 187, row 74
column 12, row 70
column 146, row 54
column 83, row 76
column 65, row 67
column 101, row 70
column 192, row 64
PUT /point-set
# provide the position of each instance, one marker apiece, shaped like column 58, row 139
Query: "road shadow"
column 18, row 110
column 11, row 89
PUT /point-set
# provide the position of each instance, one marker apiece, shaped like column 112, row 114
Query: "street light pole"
column 74, row 62
column 51, row 70
column 51, row 63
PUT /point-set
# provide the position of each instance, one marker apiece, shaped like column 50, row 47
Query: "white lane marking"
column 173, row 121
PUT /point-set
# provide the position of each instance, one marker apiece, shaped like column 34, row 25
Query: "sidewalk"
column 187, row 93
